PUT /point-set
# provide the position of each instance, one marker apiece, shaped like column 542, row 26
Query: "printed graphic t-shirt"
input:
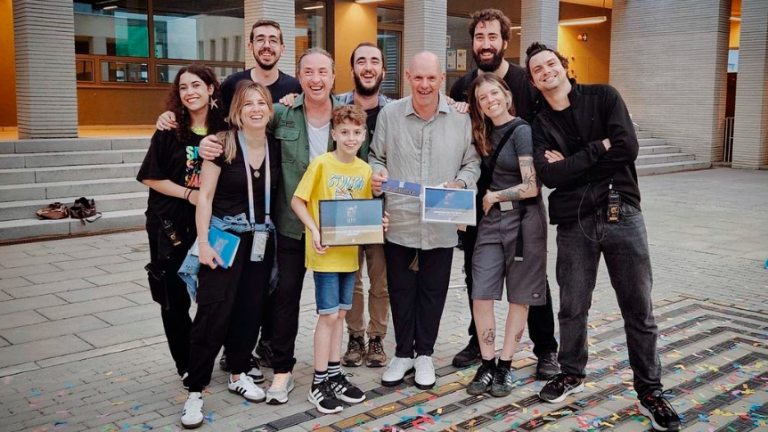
column 328, row 179
column 169, row 159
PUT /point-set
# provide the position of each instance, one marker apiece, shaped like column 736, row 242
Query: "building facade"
column 692, row 71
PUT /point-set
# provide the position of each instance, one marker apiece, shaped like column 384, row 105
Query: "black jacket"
column 582, row 179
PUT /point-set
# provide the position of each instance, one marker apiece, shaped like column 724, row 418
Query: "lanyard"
column 267, row 181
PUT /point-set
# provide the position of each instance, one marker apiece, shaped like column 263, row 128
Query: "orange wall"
column 354, row 23
column 733, row 42
column 119, row 106
column 7, row 66
column 590, row 60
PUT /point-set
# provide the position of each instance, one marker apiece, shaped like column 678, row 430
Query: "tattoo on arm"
column 528, row 184
column 519, row 335
column 489, row 336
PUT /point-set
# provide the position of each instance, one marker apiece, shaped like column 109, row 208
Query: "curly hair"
column 537, row 48
column 482, row 126
column 349, row 113
column 215, row 117
column 486, row 15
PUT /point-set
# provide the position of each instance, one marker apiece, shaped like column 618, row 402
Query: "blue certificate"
column 455, row 206
column 351, row 222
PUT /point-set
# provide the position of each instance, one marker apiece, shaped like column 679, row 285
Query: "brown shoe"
column 355, row 351
column 375, row 357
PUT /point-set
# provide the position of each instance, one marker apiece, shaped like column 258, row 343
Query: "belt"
column 517, row 204
column 521, row 205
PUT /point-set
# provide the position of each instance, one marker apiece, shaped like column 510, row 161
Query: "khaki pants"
column 378, row 295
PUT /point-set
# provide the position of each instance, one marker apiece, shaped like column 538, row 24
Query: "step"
column 72, row 144
column 672, row 167
column 647, row 142
column 644, row 134
column 664, row 158
column 73, row 158
column 16, row 210
column 54, row 191
column 68, row 173
column 649, row 150
column 31, row 228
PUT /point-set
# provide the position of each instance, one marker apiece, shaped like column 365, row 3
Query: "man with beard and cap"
column 266, row 44
column 368, row 69
column 490, row 31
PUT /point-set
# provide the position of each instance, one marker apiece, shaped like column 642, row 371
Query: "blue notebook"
column 225, row 244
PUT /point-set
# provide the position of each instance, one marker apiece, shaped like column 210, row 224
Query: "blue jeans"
column 625, row 247
column 333, row 291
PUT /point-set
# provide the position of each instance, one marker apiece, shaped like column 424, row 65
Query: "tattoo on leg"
column 519, row 335
column 489, row 336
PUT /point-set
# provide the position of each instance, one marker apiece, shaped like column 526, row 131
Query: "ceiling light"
column 735, row 18
column 516, row 27
column 368, row 1
column 584, row 21
column 109, row 7
column 313, row 7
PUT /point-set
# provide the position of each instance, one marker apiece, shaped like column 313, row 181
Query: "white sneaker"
column 282, row 384
column 192, row 415
column 183, row 377
column 425, row 372
column 398, row 368
column 256, row 375
column 246, row 388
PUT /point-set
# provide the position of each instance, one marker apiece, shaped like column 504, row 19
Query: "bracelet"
column 187, row 193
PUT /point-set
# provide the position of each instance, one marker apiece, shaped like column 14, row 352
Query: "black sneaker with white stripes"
column 323, row 397
column 657, row 408
column 481, row 383
column 345, row 390
column 559, row 387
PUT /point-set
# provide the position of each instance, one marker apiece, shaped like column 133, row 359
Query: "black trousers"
column 417, row 298
column 229, row 303
column 170, row 292
column 285, row 302
column 541, row 319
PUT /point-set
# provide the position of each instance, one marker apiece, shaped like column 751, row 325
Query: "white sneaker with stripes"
column 246, row 388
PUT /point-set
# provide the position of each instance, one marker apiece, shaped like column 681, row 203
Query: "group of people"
column 253, row 158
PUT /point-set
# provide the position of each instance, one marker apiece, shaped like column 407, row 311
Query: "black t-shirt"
column 168, row 159
column 231, row 196
column 567, row 124
column 284, row 85
column 370, row 122
column 525, row 96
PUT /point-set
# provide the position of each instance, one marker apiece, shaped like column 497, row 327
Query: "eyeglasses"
column 261, row 41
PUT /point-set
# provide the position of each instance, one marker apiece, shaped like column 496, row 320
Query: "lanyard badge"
column 260, row 232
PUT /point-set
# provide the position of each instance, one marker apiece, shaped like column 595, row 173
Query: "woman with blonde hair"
column 511, row 242
column 234, row 198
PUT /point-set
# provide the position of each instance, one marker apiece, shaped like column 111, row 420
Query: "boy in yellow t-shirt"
column 335, row 175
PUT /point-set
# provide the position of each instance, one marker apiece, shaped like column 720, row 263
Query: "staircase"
column 656, row 157
column 35, row 173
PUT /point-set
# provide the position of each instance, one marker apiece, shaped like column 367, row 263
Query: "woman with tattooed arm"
column 512, row 236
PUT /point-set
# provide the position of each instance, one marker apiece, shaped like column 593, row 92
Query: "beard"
column 488, row 65
column 362, row 90
column 266, row 66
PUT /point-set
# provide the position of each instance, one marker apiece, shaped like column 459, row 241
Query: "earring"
column 212, row 103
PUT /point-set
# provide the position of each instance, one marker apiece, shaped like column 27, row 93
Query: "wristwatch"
column 463, row 183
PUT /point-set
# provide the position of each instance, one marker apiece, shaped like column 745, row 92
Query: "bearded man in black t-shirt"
column 490, row 31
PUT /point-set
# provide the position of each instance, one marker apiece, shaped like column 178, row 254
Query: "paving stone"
column 114, row 278
column 131, row 314
column 4, row 296
column 13, row 282
column 92, row 293
column 86, row 307
column 31, row 261
column 91, row 262
column 42, row 349
column 27, row 271
column 64, row 275
column 49, row 288
column 123, row 333
column 19, row 305
column 47, row 330
column 19, row 319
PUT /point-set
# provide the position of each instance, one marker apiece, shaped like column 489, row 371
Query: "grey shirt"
column 429, row 152
column 507, row 173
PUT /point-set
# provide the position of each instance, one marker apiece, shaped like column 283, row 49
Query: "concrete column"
column 539, row 20
column 426, row 29
column 284, row 13
column 750, row 137
column 669, row 61
column 46, row 87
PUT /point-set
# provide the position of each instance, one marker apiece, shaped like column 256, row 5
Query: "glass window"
column 182, row 26
column 111, row 27
column 387, row 16
column 84, row 70
column 459, row 58
column 733, row 60
column 390, row 43
column 311, row 26
column 121, row 72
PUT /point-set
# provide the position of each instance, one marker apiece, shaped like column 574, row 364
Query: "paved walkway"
column 82, row 347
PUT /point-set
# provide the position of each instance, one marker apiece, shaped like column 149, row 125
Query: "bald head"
column 425, row 75
column 428, row 60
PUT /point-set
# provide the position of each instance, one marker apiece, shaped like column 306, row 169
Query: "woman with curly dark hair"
column 171, row 169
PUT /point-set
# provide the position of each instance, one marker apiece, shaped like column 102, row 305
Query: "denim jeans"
column 333, row 291
column 624, row 245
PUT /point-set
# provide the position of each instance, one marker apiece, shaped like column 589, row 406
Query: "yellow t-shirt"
column 325, row 179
